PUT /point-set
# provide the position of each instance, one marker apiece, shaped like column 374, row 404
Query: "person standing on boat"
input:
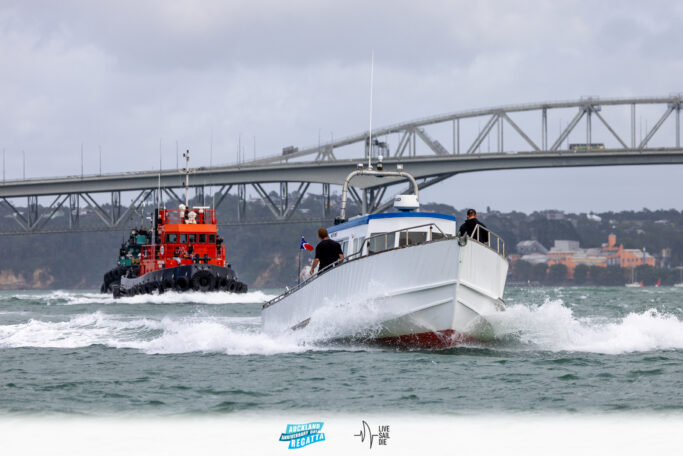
column 470, row 224
column 327, row 251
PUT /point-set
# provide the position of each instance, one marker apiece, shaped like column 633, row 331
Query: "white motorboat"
column 680, row 283
column 634, row 282
column 406, row 279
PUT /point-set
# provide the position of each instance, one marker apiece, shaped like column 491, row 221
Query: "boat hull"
column 436, row 294
column 191, row 277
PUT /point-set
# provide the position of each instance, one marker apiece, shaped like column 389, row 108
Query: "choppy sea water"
column 556, row 349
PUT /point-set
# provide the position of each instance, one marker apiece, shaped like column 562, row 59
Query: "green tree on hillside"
column 580, row 274
column 539, row 272
column 557, row 273
column 521, row 271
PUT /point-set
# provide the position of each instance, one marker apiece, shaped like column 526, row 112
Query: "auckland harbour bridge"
column 590, row 131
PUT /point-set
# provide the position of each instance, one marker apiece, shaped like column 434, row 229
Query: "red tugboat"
column 184, row 252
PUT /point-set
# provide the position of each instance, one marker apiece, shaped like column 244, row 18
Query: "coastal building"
column 625, row 258
column 570, row 254
column 530, row 246
column 664, row 260
column 535, row 258
column 552, row 214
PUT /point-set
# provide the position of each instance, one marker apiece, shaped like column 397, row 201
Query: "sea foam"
column 550, row 326
column 553, row 326
column 61, row 297
column 230, row 335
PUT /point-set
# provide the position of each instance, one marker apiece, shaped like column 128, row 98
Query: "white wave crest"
column 230, row 335
column 553, row 326
column 78, row 331
column 61, row 297
column 182, row 336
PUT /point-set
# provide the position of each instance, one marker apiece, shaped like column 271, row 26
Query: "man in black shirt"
column 327, row 251
column 470, row 224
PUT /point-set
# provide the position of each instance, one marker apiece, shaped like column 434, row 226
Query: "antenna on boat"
column 159, row 181
column 186, row 155
column 372, row 73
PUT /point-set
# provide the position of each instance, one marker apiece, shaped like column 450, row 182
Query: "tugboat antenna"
column 186, row 155
column 159, row 181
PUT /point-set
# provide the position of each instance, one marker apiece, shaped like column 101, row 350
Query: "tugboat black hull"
column 113, row 277
column 190, row 277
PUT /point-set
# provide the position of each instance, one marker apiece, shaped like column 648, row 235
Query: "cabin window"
column 202, row 238
column 212, row 238
column 344, row 245
column 411, row 238
column 437, row 235
column 171, row 238
column 381, row 241
column 192, row 238
column 183, row 238
column 357, row 244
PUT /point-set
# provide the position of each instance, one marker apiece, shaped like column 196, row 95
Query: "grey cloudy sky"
column 124, row 75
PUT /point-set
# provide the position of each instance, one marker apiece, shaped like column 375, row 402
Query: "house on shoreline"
column 570, row 254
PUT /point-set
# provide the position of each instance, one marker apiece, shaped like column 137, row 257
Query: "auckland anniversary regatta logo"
column 300, row 435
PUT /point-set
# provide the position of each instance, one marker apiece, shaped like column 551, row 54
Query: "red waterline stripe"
column 433, row 339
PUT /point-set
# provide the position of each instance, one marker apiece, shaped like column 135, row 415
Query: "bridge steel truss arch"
column 587, row 109
column 498, row 117
column 416, row 148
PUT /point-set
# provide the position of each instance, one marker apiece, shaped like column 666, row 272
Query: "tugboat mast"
column 186, row 155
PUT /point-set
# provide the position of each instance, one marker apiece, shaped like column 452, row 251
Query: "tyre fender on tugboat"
column 167, row 284
column 203, row 281
column 182, row 283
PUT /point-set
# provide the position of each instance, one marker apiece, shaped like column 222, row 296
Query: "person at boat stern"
column 470, row 224
column 327, row 251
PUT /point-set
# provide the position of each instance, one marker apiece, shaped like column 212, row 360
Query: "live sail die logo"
column 380, row 437
column 301, row 435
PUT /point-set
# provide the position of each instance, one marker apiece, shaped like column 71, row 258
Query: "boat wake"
column 171, row 334
column 553, row 326
column 60, row 297
column 168, row 335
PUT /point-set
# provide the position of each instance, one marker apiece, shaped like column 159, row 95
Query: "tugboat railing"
column 181, row 216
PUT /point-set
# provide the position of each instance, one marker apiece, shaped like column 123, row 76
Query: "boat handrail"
column 352, row 257
column 181, row 216
column 478, row 235
column 432, row 224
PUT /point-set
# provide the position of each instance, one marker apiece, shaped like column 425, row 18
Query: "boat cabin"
column 374, row 233
column 183, row 236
